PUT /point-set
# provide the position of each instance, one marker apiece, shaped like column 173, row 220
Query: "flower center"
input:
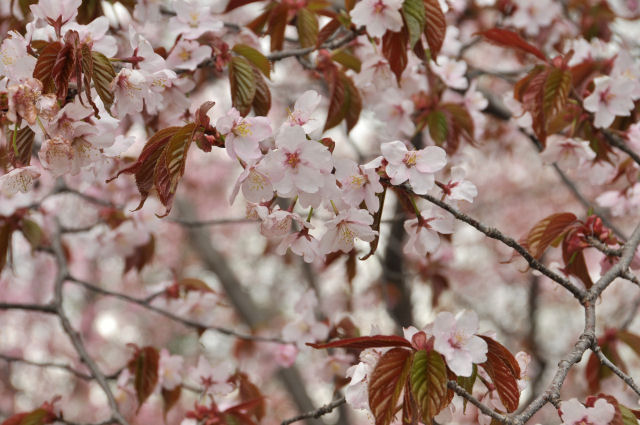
column 242, row 129
column 410, row 159
column 379, row 7
column 185, row 55
column 359, row 180
column 293, row 159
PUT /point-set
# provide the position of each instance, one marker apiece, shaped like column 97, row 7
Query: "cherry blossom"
column 575, row 413
column 395, row 111
column 567, row 152
column 297, row 164
column 423, row 232
column 188, row 55
column 18, row 180
column 611, row 97
column 170, row 369
column 95, row 35
column 305, row 328
column 61, row 11
column 532, row 15
column 451, row 71
column 15, row 63
column 193, row 20
column 301, row 243
column 255, row 185
column 416, row 166
column 378, row 16
column 23, row 100
column 212, row 378
column 243, row 135
column 458, row 188
column 303, row 111
column 455, row 339
column 359, row 183
column 356, row 392
column 344, row 228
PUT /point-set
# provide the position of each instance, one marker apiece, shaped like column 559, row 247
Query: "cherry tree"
column 378, row 212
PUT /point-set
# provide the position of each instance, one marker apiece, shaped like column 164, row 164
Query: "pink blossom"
column 395, row 111
column 375, row 74
column 356, row 393
column 359, row 183
column 18, row 180
column 213, row 378
column 620, row 202
column 344, row 228
column 531, row 15
column 54, row 10
column 95, row 35
column 129, row 88
column 298, row 164
column 455, row 339
column 15, row 63
column 193, row 20
column 416, row 166
column 423, row 233
column 452, row 72
column 305, row 328
column 610, row 98
column 170, row 369
column 378, row 16
column 188, row 55
column 575, row 413
column 303, row 110
column 278, row 223
column 458, row 188
column 567, row 152
column 301, row 243
column 23, row 100
column 286, row 355
column 255, row 185
column 243, row 135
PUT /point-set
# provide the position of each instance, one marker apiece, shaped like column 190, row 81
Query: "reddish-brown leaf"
column 394, row 49
column 141, row 256
column 170, row 398
column 277, row 24
column 337, row 95
column 307, row 23
column 144, row 367
column 103, row 75
column 5, row 239
column 249, row 392
column 43, row 70
column 503, row 369
column 428, row 381
column 508, row 38
column 362, row 342
column 328, row 30
column 234, row 4
column 575, row 264
column 386, row 382
column 435, row 27
column 547, row 230
column 262, row 99
column 354, row 105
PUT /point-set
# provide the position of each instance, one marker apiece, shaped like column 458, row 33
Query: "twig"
column 213, row 222
column 493, row 233
column 632, row 314
column 327, row 408
column 51, row 365
column 42, row 308
column 604, row 248
column 73, row 335
column 615, row 369
column 615, row 141
column 481, row 406
column 189, row 323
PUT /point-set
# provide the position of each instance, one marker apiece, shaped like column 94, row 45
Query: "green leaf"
column 21, row 147
column 307, row 23
column 435, row 26
column 32, row 232
column 438, row 127
column 345, row 58
column 144, row 367
column 628, row 418
column 415, row 17
column 428, row 381
column 386, row 383
column 467, row 383
column 243, row 84
column 255, row 57
column 103, row 75
column 5, row 239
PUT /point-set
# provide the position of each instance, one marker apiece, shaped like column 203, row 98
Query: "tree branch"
column 615, row 369
column 327, row 408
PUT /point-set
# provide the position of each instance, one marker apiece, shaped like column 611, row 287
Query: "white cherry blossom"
column 423, row 232
column 359, row 183
column 456, row 340
column 193, row 20
column 416, row 166
column 567, row 152
column 18, row 180
column 458, row 188
column 611, row 97
column 575, row 413
column 243, row 135
column 303, row 110
column 378, row 16
column 344, row 228
column 188, row 55
column 170, row 369
column 451, row 71
column 52, row 10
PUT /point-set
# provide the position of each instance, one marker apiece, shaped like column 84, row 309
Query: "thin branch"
column 615, row 141
column 73, row 335
column 49, row 365
column 604, row 248
column 186, row 322
column 632, row 314
column 615, row 369
column 331, row 45
column 494, row 233
column 327, row 408
column 482, row 407
column 213, row 222
column 42, row 308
